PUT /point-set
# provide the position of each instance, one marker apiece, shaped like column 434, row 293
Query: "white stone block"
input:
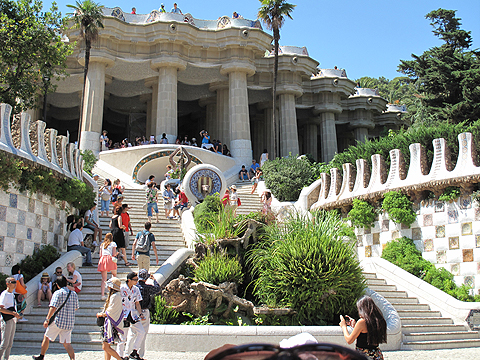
column 12, row 215
column 50, row 237
column 368, row 239
column 428, row 232
column 4, row 198
column 21, row 232
column 30, row 219
column 440, row 244
column 468, row 268
column 10, row 244
column 467, row 242
column 452, row 230
column 3, row 228
column 37, row 235
column 476, row 255
column 44, row 223
column 429, row 256
column 28, row 247
column 22, row 202
column 454, row 256
column 439, row 218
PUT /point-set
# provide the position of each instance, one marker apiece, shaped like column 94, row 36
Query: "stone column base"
column 242, row 152
column 90, row 140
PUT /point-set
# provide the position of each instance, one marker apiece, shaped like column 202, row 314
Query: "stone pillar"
column 361, row 134
column 288, row 125
column 151, row 100
column 328, row 134
column 240, row 143
column 311, row 136
column 92, row 114
column 166, row 120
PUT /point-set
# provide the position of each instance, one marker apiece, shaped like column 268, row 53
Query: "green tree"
column 273, row 13
column 88, row 17
column 447, row 76
column 31, row 49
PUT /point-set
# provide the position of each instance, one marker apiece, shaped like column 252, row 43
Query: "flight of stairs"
column 250, row 202
column 422, row 328
column 86, row 335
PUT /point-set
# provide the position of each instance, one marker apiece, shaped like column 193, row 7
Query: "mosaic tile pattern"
column 477, row 214
column 368, row 251
column 2, row 241
column 404, row 226
column 467, row 255
column 416, row 234
column 3, row 213
column 453, row 243
column 428, row 245
column 21, row 217
column 427, row 220
column 9, row 260
column 359, row 241
column 477, row 241
column 469, row 280
column 29, row 233
column 465, row 202
column 11, row 229
column 439, row 206
column 385, row 225
column 440, row 231
column 441, row 257
column 31, row 205
column 13, row 200
column 367, row 231
column 19, row 246
column 395, row 234
column 455, row 269
column 467, row 228
column 376, row 239
column 452, row 216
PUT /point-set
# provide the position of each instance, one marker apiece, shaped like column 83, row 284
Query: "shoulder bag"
column 50, row 321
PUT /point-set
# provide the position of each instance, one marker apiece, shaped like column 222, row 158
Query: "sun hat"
column 143, row 274
column 114, row 283
column 233, row 187
column 45, row 275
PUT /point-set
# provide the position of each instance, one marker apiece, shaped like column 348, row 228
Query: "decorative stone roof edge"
column 335, row 191
column 46, row 155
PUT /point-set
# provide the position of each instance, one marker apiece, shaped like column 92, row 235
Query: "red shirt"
column 126, row 220
column 183, row 198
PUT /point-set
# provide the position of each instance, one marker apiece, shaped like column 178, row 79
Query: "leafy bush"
column 403, row 253
column 34, row 264
column 216, row 268
column 451, row 193
column 206, row 213
column 10, row 170
column 3, row 285
column 162, row 314
column 362, row 214
column 286, row 177
column 399, row 208
column 90, row 160
column 309, row 265
column 222, row 225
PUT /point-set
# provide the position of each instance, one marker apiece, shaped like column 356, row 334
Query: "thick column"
column 311, row 136
column 240, row 143
column 223, row 118
column 361, row 134
column 328, row 134
column 288, row 125
column 92, row 115
column 166, row 120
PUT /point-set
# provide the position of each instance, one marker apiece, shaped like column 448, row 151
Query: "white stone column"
column 166, row 110
column 361, row 134
column 328, row 134
column 92, row 115
column 288, row 125
column 240, row 142
column 311, row 136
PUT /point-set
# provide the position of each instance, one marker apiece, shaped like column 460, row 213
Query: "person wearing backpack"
column 144, row 241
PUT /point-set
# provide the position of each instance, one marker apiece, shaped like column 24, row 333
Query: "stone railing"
column 30, row 140
column 332, row 73
column 370, row 183
column 366, row 92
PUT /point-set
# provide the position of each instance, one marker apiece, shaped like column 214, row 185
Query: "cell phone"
column 348, row 319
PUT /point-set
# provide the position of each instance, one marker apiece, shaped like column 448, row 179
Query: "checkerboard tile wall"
column 26, row 222
column 447, row 234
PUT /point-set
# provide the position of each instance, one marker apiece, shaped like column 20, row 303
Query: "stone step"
column 369, row 275
column 380, row 288
column 418, row 313
column 391, row 293
column 441, row 344
column 374, row 282
column 426, row 321
column 413, row 307
column 446, row 335
column 418, row 328
column 402, row 300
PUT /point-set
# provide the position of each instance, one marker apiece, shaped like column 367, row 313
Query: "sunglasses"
column 12, row 282
column 58, row 272
column 321, row 351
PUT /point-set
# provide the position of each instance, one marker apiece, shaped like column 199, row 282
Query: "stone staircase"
column 250, row 202
column 423, row 328
column 86, row 335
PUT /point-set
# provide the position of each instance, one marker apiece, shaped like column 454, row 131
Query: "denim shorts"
column 151, row 206
column 105, row 205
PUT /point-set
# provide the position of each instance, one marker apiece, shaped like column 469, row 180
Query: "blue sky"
column 365, row 38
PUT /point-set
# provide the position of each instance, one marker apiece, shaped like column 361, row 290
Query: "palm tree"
column 88, row 17
column 273, row 13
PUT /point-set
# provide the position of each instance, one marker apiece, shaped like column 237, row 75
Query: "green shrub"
column 362, row 214
column 451, row 193
column 309, row 265
column 162, row 314
column 399, row 208
column 3, row 284
column 90, row 160
column 286, row 177
column 34, row 264
column 206, row 213
column 216, row 268
column 403, row 253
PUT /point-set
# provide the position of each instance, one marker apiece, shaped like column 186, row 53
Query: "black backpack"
column 115, row 194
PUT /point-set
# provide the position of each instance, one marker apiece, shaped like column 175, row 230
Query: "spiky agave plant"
column 309, row 265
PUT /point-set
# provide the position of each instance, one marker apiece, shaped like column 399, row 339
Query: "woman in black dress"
column 117, row 232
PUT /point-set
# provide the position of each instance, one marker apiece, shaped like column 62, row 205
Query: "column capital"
column 223, row 85
column 208, row 100
column 238, row 66
column 107, row 60
column 151, row 82
column 168, row 61
column 297, row 91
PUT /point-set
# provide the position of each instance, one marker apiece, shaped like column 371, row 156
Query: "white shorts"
column 65, row 336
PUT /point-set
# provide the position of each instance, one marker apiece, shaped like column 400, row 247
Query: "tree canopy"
column 32, row 50
column 447, row 77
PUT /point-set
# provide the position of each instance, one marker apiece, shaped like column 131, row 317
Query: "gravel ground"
column 469, row 353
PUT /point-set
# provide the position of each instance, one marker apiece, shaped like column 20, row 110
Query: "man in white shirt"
column 132, row 312
column 9, row 317
column 75, row 242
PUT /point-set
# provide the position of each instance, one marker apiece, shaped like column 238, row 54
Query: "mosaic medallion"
column 452, row 216
column 395, row 234
column 440, row 231
column 205, row 182
column 469, row 281
column 416, row 234
column 428, row 220
column 441, row 257
column 367, row 231
column 467, row 228
column 385, row 225
column 453, row 243
column 465, row 202
column 428, row 245
column 439, row 206
column 368, row 251
column 376, row 239
column 359, row 241
column 467, row 255
column 477, row 240
column 455, row 269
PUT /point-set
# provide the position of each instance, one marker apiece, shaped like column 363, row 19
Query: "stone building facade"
column 169, row 73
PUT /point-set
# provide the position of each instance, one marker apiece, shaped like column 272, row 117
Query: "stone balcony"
column 156, row 16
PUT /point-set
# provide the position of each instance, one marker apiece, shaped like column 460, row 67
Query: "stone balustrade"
column 30, row 140
column 366, row 92
column 335, row 191
column 332, row 73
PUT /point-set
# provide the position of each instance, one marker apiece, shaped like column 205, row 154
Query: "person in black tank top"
column 369, row 331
